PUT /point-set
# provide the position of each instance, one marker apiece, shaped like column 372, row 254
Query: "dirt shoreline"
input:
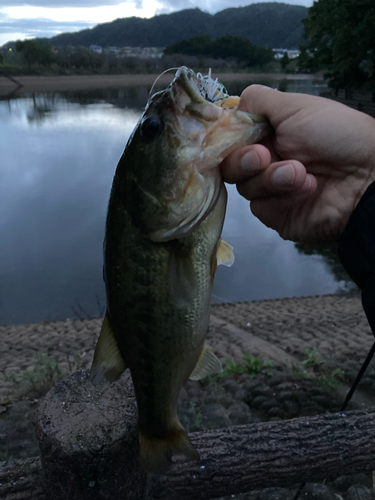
column 334, row 325
column 30, row 84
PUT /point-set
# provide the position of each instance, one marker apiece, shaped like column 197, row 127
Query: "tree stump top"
column 89, row 441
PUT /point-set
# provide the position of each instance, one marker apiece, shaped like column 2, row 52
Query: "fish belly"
column 158, row 297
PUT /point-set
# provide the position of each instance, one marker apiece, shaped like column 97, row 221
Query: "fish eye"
column 151, row 127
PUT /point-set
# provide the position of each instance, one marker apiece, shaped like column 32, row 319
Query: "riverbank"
column 333, row 325
column 21, row 85
column 11, row 87
column 315, row 344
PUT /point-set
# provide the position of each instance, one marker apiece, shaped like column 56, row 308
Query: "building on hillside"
column 292, row 54
column 96, row 48
column 141, row 52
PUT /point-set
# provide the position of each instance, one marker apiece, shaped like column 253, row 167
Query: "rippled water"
column 58, row 153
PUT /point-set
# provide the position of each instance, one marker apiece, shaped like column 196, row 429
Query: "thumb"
column 260, row 100
column 275, row 105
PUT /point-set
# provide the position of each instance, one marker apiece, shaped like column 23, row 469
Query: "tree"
column 224, row 47
column 196, row 46
column 284, row 61
column 34, row 52
column 340, row 39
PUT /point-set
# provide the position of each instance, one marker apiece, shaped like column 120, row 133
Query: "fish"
column 161, row 250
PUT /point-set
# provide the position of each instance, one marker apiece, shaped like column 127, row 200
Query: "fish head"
column 171, row 160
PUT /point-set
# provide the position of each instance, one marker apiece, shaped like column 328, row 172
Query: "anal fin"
column 208, row 364
column 108, row 364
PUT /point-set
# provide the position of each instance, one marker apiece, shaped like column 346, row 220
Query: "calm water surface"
column 58, row 153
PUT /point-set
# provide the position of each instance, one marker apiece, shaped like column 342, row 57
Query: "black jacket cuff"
column 357, row 250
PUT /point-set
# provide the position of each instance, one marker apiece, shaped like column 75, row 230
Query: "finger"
column 244, row 163
column 279, row 178
column 289, row 214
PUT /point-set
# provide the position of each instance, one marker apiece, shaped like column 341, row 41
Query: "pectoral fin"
column 208, row 364
column 225, row 255
column 108, row 364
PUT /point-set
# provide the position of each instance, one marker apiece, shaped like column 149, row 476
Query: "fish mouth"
column 217, row 126
column 217, row 102
column 200, row 89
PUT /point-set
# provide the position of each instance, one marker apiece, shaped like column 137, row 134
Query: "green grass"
column 196, row 416
column 312, row 358
column 36, row 382
column 252, row 366
column 313, row 363
column 333, row 380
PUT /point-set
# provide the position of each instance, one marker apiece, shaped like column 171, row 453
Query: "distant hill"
column 270, row 24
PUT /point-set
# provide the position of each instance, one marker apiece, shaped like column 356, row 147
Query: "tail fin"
column 156, row 453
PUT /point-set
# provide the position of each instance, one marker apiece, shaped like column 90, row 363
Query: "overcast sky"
column 20, row 19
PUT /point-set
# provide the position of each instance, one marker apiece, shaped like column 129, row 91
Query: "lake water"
column 58, row 154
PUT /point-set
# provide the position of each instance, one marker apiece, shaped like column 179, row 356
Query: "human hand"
column 307, row 178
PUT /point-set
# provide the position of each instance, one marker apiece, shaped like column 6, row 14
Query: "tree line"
column 225, row 47
column 339, row 39
column 225, row 53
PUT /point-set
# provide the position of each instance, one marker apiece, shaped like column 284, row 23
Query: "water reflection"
column 134, row 97
column 267, row 267
column 329, row 252
column 58, row 155
column 301, row 85
column 57, row 168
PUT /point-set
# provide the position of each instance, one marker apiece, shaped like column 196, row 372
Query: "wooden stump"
column 89, row 445
column 89, row 442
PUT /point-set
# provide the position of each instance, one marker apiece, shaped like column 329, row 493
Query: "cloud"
column 174, row 5
column 40, row 27
column 51, row 4
column 216, row 5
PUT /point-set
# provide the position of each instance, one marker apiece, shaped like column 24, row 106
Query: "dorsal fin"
column 208, row 364
column 225, row 255
column 108, row 364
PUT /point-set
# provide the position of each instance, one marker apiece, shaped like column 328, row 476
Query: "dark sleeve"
column 357, row 251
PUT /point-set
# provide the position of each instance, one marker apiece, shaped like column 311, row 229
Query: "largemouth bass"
column 162, row 247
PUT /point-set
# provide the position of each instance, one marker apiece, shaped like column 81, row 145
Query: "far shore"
column 31, row 84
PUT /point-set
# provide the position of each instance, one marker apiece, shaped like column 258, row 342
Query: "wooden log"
column 248, row 457
column 89, row 447
column 21, row 480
